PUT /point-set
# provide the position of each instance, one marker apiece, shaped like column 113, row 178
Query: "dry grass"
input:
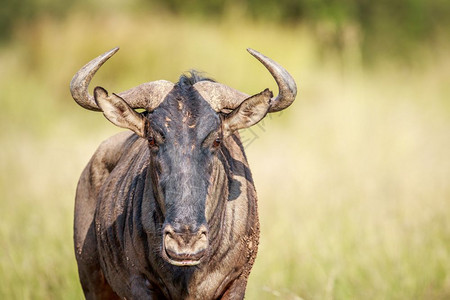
column 352, row 179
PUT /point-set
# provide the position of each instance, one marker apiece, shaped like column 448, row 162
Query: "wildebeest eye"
column 151, row 141
column 212, row 141
column 217, row 142
column 155, row 139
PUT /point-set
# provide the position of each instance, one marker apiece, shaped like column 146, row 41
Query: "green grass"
column 353, row 179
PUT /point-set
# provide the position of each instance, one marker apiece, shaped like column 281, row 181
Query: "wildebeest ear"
column 119, row 112
column 248, row 113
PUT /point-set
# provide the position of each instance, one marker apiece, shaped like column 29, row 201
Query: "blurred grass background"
column 353, row 179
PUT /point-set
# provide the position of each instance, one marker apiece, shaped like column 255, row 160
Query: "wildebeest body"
column 127, row 219
column 170, row 211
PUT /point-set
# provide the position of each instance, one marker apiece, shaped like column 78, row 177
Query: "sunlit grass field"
column 353, row 179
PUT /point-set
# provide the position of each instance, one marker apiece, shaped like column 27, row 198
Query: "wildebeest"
column 168, row 210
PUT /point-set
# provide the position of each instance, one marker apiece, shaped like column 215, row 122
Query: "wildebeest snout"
column 183, row 245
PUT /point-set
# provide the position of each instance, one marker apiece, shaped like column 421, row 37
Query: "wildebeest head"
column 185, row 124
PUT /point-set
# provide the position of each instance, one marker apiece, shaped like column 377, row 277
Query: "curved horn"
column 80, row 81
column 222, row 97
column 147, row 95
column 286, row 84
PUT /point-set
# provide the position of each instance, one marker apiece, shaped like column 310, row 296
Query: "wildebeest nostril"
column 202, row 231
column 168, row 231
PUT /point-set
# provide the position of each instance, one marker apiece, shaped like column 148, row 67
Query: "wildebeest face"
column 184, row 135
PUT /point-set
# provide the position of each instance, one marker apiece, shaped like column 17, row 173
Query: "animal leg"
column 92, row 280
column 236, row 289
column 95, row 287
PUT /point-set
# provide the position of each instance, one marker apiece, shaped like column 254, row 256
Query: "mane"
column 193, row 100
column 190, row 78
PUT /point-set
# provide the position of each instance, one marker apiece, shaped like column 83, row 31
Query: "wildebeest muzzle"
column 184, row 245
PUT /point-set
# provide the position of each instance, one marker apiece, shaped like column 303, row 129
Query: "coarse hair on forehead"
column 189, row 99
column 185, row 109
column 191, row 77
